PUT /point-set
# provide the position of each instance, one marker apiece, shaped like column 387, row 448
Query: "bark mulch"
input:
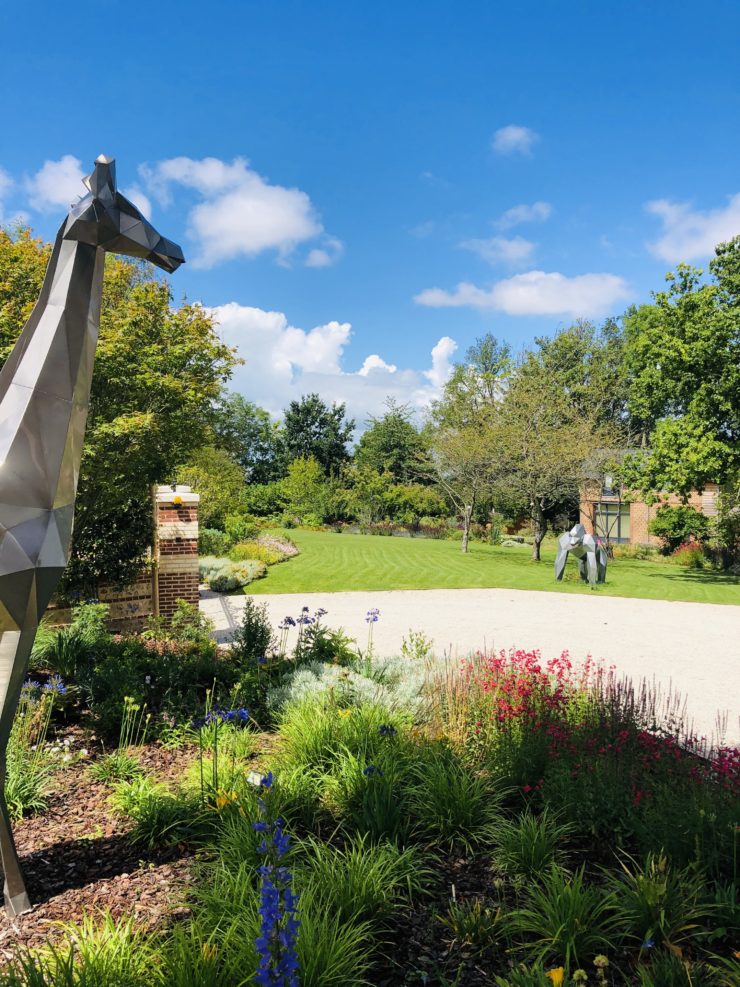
column 77, row 858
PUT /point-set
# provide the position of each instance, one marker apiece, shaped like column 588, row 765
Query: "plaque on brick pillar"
column 176, row 547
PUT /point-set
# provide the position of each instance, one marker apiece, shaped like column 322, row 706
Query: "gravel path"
column 693, row 648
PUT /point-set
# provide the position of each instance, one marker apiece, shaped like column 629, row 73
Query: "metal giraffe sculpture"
column 44, row 400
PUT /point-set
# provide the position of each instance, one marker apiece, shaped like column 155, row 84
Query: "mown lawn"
column 331, row 562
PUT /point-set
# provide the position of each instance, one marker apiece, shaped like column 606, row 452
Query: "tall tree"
column 461, row 453
column 683, row 360
column 158, row 372
column 589, row 363
column 544, row 446
column 391, row 444
column 249, row 435
column 313, row 429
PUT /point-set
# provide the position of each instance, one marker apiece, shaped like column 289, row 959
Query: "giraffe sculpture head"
column 105, row 218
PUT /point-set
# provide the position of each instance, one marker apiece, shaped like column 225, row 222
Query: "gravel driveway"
column 693, row 648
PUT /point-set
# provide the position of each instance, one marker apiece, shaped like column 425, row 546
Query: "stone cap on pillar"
column 178, row 493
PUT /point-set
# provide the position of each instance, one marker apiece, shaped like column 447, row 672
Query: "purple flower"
column 372, row 616
column 371, row 770
column 56, row 684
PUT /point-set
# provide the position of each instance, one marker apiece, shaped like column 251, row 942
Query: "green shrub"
column 161, row 817
column 94, row 953
column 225, row 576
column 255, row 550
column 449, row 803
column 564, row 920
column 638, row 553
column 239, row 527
column 171, row 678
column 254, row 638
column 361, row 880
column 674, row 525
column 690, row 556
column 528, row 845
column 212, row 542
column 29, row 767
column 473, row 923
column 657, row 902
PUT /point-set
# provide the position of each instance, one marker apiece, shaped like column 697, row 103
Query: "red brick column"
column 176, row 547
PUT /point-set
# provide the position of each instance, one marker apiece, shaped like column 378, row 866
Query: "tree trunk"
column 540, row 529
column 467, row 516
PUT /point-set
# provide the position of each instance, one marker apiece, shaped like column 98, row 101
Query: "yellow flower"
column 224, row 798
column 209, row 951
column 177, row 500
column 344, row 713
column 556, row 975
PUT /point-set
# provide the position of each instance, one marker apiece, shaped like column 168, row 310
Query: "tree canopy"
column 392, row 444
column 158, row 371
column 312, row 429
column 683, row 361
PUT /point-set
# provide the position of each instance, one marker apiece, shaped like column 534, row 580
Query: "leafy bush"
column 564, row 920
column 473, row 923
column 213, row 542
column 689, row 555
column 161, row 817
column 254, row 638
column 639, row 553
column 659, row 903
column 674, row 525
column 449, row 803
column 28, row 766
column 528, row 845
column 256, row 550
column 361, row 880
column 171, row 678
column 225, row 576
column 97, row 953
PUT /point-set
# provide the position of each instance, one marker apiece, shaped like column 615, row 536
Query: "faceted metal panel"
column 44, row 400
column 591, row 555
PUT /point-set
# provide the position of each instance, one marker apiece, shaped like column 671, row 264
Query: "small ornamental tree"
column 675, row 525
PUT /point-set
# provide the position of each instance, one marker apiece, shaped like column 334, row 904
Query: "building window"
column 612, row 521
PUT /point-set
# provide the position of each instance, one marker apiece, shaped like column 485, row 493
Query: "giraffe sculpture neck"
column 44, row 400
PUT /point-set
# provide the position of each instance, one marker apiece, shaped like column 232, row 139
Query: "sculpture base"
column 18, row 905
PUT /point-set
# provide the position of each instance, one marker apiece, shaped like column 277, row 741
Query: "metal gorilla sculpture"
column 44, row 400
column 591, row 556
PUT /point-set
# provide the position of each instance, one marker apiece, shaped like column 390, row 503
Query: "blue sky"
column 360, row 187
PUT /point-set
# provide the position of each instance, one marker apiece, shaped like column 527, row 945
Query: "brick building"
column 626, row 519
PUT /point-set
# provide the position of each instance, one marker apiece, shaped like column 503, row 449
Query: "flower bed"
column 506, row 821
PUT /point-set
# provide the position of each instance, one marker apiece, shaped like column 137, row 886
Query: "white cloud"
column 441, row 362
column 134, row 194
column 514, row 139
column 56, row 184
column 535, row 293
column 690, row 234
column 6, row 186
column 536, row 212
column 283, row 362
column 241, row 214
column 375, row 362
column 327, row 255
column 6, row 183
column 423, row 230
column 500, row 249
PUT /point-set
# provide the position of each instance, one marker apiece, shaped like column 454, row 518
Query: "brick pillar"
column 175, row 547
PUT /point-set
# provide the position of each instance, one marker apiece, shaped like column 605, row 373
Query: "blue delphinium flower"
column 276, row 943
